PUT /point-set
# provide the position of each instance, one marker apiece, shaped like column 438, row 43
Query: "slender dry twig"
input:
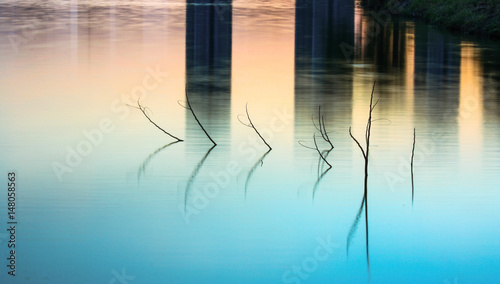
column 251, row 125
column 366, row 151
column 325, row 133
column 411, row 166
column 325, row 154
column 321, row 155
column 366, row 156
column 144, row 111
column 261, row 160
column 193, row 176
column 321, row 127
column 196, row 118
column 359, row 145
column 302, row 143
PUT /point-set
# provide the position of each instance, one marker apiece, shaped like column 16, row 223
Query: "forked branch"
column 251, row 125
column 366, row 155
column 320, row 154
column 322, row 128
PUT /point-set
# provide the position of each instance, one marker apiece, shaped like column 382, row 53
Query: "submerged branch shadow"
column 261, row 160
column 252, row 170
column 142, row 168
column 354, row 227
column 411, row 165
column 322, row 157
column 194, row 174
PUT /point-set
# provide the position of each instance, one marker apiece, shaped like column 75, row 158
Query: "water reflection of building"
column 208, row 66
column 323, row 75
column 381, row 40
column 437, row 71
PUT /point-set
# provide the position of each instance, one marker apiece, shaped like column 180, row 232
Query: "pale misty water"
column 103, row 198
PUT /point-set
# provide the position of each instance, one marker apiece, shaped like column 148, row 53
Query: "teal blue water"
column 104, row 196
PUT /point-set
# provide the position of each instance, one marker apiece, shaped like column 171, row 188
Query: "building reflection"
column 323, row 75
column 208, row 67
column 437, row 77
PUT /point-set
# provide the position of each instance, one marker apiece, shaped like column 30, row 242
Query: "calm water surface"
column 103, row 197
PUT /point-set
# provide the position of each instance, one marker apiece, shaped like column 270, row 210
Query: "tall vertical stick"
column 366, row 153
column 411, row 166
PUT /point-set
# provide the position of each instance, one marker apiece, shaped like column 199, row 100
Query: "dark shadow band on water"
column 252, row 170
column 194, row 174
column 142, row 168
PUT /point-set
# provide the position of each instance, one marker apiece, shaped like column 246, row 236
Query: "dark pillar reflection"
column 491, row 61
column 437, row 79
column 208, row 67
column 323, row 76
column 437, row 69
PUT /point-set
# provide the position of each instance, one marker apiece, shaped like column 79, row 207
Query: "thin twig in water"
column 251, row 125
column 411, row 166
column 325, row 154
column 321, row 155
column 322, row 128
column 359, row 145
column 196, row 118
column 366, row 153
column 144, row 111
column 302, row 143
column 260, row 161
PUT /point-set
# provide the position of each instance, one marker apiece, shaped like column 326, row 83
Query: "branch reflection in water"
column 193, row 176
column 261, row 160
column 252, row 170
column 142, row 168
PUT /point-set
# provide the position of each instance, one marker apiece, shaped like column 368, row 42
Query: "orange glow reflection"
column 470, row 114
